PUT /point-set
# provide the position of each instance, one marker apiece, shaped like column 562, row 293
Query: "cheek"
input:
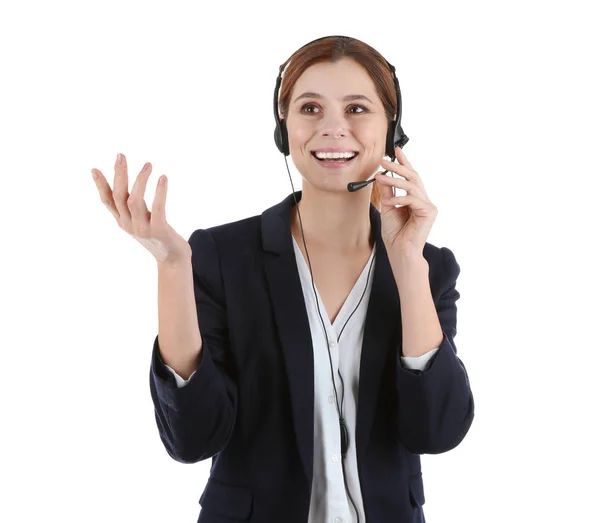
column 299, row 136
column 379, row 144
column 373, row 144
column 371, row 133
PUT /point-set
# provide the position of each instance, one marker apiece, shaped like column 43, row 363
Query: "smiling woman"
column 377, row 107
column 270, row 385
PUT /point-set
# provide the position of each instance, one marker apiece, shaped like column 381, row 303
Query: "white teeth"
column 323, row 156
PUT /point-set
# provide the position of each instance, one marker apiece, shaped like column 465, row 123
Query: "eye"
column 362, row 109
column 305, row 106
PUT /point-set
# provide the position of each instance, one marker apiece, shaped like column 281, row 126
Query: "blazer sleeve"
column 435, row 405
column 419, row 362
column 195, row 421
column 178, row 379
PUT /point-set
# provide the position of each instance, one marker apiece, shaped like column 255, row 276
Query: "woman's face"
column 336, row 105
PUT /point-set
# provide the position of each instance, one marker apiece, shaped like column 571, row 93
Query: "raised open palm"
column 148, row 228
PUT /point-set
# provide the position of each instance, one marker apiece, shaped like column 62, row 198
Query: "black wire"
column 358, row 304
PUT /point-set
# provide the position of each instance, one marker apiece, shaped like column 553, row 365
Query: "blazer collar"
column 276, row 227
column 382, row 326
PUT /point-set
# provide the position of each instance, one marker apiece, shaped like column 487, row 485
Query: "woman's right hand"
column 148, row 228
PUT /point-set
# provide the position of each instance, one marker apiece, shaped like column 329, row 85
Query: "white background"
column 500, row 101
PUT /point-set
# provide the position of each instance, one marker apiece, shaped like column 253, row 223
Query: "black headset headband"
column 395, row 134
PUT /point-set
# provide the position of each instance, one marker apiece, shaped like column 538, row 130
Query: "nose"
column 334, row 124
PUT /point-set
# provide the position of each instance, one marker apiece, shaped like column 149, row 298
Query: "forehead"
column 334, row 80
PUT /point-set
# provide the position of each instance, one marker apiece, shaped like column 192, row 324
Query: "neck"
column 333, row 221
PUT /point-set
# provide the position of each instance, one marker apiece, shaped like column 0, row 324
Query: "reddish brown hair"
column 333, row 49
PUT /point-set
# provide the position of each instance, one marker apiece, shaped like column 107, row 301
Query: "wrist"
column 414, row 260
column 174, row 265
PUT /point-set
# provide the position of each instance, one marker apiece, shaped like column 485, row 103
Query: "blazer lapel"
column 292, row 321
column 383, row 317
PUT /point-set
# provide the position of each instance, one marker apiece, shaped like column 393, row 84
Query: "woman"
column 270, row 326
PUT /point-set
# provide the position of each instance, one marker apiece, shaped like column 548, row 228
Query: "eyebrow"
column 347, row 98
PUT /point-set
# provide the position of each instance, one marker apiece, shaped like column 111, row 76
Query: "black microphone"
column 355, row 186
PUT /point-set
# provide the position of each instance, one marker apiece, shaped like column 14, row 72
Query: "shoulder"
column 233, row 237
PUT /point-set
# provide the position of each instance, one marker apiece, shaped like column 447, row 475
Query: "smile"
column 335, row 160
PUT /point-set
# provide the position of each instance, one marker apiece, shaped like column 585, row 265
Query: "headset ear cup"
column 281, row 140
column 285, row 146
column 400, row 138
column 389, row 142
column 277, row 136
column 395, row 137
column 402, row 141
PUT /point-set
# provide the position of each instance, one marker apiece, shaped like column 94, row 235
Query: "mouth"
column 328, row 160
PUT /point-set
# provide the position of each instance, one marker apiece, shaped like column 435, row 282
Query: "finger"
column 120, row 191
column 404, row 171
column 158, row 219
column 402, row 157
column 137, row 205
column 386, row 189
column 106, row 195
column 397, row 168
column 405, row 199
column 409, row 186
column 417, row 205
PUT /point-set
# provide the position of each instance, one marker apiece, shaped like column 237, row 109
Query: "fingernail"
column 119, row 159
column 94, row 175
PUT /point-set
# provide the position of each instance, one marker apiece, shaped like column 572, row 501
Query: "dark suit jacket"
column 249, row 406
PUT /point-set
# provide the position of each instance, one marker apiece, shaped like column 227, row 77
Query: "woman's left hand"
column 405, row 229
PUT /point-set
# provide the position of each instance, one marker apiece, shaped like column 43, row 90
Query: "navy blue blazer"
column 250, row 404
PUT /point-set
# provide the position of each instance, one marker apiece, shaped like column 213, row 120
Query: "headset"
column 395, row 137
column 395, row 134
